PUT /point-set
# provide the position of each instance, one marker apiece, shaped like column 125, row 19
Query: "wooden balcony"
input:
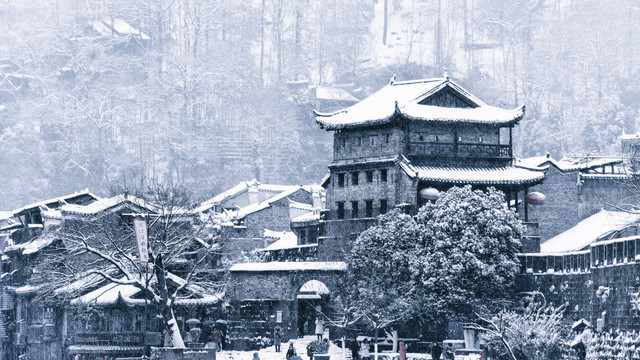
column 460, row 150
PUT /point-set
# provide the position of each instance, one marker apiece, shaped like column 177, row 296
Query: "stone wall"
column 609, row 290
column 257, row 296
column 573, row 197
column 560, row 210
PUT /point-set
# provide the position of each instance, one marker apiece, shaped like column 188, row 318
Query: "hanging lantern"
column 535, row 198
column 430, row 194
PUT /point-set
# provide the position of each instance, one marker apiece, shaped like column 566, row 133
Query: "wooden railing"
column 461, row 150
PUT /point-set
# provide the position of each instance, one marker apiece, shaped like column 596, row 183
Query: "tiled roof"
column 576, row 163
column 104, row 204
column 403, row 99
column 59, row 200
column 588, row 231
column 477, row 175
column 33, row 246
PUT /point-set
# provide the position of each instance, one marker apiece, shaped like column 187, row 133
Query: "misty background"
column 206, row 93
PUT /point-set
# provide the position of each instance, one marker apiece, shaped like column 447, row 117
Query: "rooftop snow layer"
column 578, row 163
column 291, row 266
column 59, row 200
column 104, row 204
column 478, row 175
column 588, row 231
column 33, row 246
column 286, row 239
column 402, row 98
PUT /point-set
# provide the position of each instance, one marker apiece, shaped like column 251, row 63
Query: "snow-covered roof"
column 255, row 207
column 107, row 295
column 312, row 216
column 32, row 246
column 105, row 204
column 475, row 175
column 589, row 231
column 334, row 93
column 575, row 163
column 58, row 200
column 291, row 266
column 300, row 206
column 286, row 239
column 117, row 27
column 403, row 99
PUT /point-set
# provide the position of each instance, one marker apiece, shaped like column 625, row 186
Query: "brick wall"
column 560, row 210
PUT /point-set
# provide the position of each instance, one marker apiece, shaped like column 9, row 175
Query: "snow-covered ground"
column 336, row 353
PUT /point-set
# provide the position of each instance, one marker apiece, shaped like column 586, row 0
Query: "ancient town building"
column 409, row 140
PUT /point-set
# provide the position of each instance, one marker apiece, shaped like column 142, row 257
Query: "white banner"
column 140, row 230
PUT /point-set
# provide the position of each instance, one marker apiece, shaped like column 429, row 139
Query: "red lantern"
column 430, row 194
column 535, row 198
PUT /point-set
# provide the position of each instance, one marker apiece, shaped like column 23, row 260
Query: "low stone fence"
column 182, row 354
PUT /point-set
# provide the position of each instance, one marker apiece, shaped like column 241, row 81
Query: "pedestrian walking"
column 354, row 347
column 436, row 351
column 216, row 339
column 310, row 350
column 319, row 328
column 291, row 351
column 277, row 338
column 364, row 349
column 255, row 356
column 449, row 352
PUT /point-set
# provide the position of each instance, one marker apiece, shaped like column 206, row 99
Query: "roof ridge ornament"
column 393, row 79
column 446, row 74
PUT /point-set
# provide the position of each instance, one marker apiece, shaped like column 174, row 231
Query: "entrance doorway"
column 311, row 299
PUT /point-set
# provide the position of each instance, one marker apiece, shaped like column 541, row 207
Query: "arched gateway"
column 284, row 294
column 312, row 301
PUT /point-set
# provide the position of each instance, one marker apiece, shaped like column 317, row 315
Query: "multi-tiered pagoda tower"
column 409, row 139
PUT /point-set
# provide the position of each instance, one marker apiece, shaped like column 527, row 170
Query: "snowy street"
column 300, row 344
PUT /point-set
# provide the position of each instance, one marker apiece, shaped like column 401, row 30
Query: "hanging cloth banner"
column 140, row 230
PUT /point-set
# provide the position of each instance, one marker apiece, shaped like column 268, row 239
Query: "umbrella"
column 193, row 322
column 222, row 322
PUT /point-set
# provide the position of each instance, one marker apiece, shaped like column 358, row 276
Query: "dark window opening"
column 354, row 178
column 340, row 180
column 340, row 210
column 369, row 210
column 343, row 142
column 383, row 206
column 354, row 209
column 369, row 176
column 386, row 138
column 421, row 138
column 383, row 175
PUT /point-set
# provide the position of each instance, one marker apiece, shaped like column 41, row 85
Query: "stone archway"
column 311, row 299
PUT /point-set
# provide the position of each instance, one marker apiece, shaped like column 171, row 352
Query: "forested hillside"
column 100, row 93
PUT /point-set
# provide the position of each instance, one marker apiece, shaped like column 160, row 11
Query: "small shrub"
column 320, row 347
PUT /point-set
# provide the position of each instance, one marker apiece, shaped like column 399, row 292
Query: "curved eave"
column 322, row 120
column 506, row 118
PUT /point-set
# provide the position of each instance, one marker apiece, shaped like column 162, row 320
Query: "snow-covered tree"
column 456, row 255
column 536, row 331
column 380, row 283
column 101, row 245
column 468, row 257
